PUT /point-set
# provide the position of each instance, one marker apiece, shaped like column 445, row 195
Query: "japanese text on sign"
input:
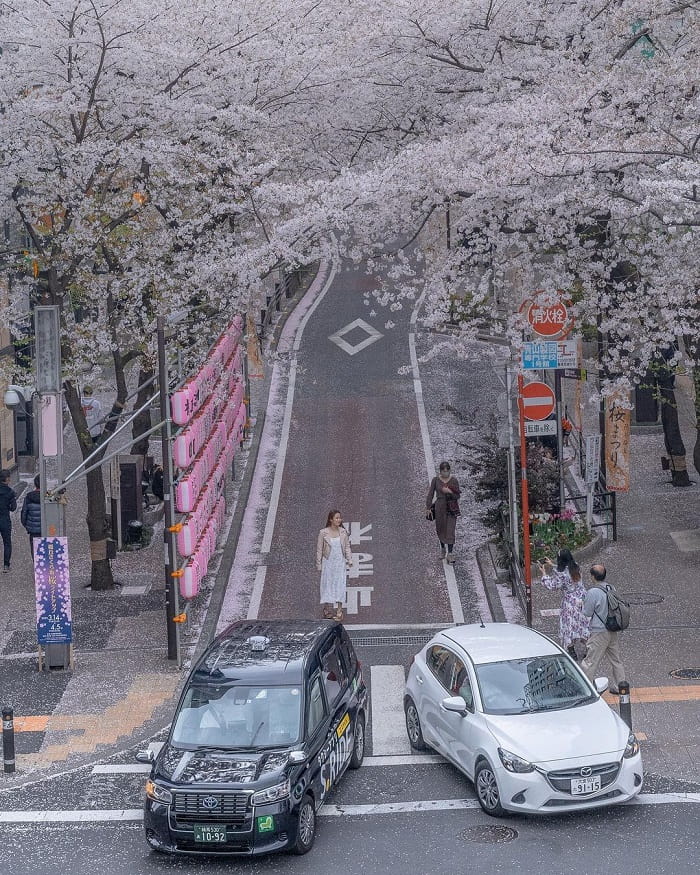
column 617, row 446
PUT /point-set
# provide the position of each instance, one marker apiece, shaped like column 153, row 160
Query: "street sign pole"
column 512, row 485
column 560, row 439
column 525, row 505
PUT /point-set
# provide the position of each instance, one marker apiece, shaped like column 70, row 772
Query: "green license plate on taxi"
column 209, row 833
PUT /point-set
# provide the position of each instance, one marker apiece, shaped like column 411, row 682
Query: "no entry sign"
column 538, row 401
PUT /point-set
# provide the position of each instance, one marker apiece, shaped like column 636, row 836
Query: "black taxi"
column 270, row 718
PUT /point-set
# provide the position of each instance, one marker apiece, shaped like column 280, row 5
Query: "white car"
column 513, row 711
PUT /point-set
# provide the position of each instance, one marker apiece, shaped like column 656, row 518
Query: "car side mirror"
column 296, row 757
column 601, row 685
column 145, row 756
column 456, row 704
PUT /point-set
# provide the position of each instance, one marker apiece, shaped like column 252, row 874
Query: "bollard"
column 625, row 703
column 8, row 740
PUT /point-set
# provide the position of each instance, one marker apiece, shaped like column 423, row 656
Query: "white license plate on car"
column 581, row 786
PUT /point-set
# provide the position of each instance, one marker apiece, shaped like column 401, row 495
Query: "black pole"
column 625, row 703
column 8, row 740
column 171, row 606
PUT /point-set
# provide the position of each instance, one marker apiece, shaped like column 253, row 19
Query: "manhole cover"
column 643, row 598
column 489, row 835
column 686, row 674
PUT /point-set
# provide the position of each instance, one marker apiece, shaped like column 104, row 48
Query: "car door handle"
column 419, row 679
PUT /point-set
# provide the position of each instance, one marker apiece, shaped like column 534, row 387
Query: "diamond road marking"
column 372, row 336
column 687, row 541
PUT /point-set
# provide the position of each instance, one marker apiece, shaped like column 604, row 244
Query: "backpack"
column 618, row 617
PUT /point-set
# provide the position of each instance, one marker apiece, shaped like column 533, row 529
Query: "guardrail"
column 287, row 287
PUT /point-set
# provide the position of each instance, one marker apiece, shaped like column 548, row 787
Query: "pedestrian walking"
column 333, row 558
column 573, row 623
column 442, row 505
column 157, row 482
column 8, row 503
column 602, row 642
column 30, row 515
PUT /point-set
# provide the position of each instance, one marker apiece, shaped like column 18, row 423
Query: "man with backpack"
column 609, row 615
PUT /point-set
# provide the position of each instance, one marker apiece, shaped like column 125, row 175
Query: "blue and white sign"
column 52, row 585
column 546, row 355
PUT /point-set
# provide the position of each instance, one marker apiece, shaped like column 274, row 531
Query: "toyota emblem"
column 210, row 802
column 586, row 771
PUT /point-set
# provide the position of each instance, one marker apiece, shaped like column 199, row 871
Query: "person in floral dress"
column 573, row 623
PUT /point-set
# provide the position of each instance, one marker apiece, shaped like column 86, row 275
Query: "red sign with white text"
column 538, row 401
column 548, row 316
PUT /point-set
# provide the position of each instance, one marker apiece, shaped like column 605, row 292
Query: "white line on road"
column 413, row 759
column 256, row 595
column 388, row 733
column 286, row 423
column 360, row 627
column 427, row 805
column 121, row 769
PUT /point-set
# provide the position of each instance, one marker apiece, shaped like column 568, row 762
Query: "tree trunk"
column 672, row 433
column 142, row 423
column 696, row 448
column 100, row 571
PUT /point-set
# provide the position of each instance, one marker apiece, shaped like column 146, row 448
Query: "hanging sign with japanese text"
column 617, row 443
column 52, row 588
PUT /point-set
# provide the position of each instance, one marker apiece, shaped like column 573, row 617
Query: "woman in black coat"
column 30, row 515
column 442, row 502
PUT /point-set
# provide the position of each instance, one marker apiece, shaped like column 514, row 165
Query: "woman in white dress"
column 333, row 558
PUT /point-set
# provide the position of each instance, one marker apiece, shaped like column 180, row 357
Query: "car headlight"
column 513, row 763
column 157, row 793
column 632, row 747
column 271, row 794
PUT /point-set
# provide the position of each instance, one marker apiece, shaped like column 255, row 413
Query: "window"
column 459, row 682
column 439, row 662
column 316, row 710
column 335, row 679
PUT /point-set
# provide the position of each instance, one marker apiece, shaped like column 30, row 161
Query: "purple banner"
column 52, row 587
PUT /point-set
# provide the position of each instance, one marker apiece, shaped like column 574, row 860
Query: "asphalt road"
column 355, row 445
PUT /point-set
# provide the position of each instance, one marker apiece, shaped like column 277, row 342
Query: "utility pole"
column 525, row 504
column 172, row 607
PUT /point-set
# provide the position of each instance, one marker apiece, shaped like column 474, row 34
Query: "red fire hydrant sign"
column 548, row 315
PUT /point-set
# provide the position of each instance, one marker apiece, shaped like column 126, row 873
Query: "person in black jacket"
column 8, row 503
column 30, row 515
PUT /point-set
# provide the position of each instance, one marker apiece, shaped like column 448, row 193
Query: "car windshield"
column 235, row 717
column 538, row 683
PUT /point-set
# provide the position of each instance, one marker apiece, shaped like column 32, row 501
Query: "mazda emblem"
column 586, row 771
column 210, row 802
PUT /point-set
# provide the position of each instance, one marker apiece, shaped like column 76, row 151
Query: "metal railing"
column 289, row 284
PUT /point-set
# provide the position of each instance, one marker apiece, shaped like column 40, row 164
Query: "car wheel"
column 487, row 791
column 306, row 826
column 358, row 748
column 415, row 733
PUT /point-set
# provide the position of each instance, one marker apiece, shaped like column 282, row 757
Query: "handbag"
column 430, row 514
column 453, row 507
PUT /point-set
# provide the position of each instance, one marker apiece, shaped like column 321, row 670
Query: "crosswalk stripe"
column 388, row 732
column 91, row 815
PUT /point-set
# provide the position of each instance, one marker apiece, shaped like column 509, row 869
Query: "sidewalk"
column 656, row 563
column 123, row 688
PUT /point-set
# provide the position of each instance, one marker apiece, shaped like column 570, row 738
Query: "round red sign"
column 548, row 316
column 538, row 401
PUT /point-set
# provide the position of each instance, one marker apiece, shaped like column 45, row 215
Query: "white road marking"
column 388, row 731
column 359, row 627
column 122, row 769
column 452, row 591
column 256, row 595
column 352, row 349
column 361, row 566
column 414, row 759
column 359, row 533
column 358, row 597
column 398, row 807
column 550, row 612
column 93, row 815
column 286, row 423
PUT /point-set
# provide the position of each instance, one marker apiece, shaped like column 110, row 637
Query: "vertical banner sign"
column 52, row 587
column 617, row 444
column 592, row 459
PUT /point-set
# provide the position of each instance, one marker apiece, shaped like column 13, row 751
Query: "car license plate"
column 580, row 786
column 206, row 833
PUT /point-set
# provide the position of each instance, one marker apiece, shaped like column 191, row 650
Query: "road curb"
column 490, row 584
